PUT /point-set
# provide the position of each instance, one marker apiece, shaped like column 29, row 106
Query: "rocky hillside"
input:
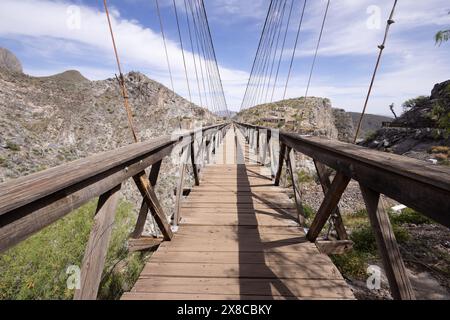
column 314, row 117
column 422, row 131
column 47, row 121
column 9, row 62
column 370, row 123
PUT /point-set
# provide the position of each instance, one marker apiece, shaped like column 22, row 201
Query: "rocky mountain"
column 313, row 116
column 422, row 131
column 9, row 62
column 370, row 123
column 47, row 121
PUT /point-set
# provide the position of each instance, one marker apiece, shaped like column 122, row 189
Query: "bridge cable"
column 264, row 56
column 182, row 50
column 255, row 80
column 206, row 57
column 215, row 59
column 165, row 45
column 193, row 52
column 390, row 21
column 256, row 55
column 278, row 35
column 121, row 78
column 317, row 50
column 199, row 50
column 216, row 80
column 282, row 50
column 265, row 53
column 294, row 51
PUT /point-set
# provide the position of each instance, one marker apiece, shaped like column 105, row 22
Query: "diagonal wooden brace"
column 326, row 183
column 328, row 205
column 143, row 212
column 152, row 201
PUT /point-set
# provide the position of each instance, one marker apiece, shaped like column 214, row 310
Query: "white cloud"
column 410, row 66
column 43, row 26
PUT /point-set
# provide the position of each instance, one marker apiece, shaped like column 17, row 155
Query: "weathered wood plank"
column 19, row 224
column 290, row 164
column 326, row 183
column 143, row 243
column 97, row 247
column 299, row 288
column 394, row 267
column 328, row 205
column 153, row 203
column 143, row 212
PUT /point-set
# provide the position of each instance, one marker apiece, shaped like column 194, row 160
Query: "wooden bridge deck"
column 238, row 239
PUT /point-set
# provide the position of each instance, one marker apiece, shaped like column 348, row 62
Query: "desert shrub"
column 303, row 176
column 12, row 146
column 409, row 216
column 308, row 211
column 352, row 263
column 355, row 262
column 412, row 103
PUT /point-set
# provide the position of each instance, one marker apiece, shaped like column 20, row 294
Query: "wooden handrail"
column 416, row 184
column 30, row 203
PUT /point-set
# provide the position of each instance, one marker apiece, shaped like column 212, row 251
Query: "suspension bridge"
column 237, row 234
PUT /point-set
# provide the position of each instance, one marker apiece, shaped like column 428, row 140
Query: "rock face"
column 48, row 121
column 370, row 124
column 422, row 114
column 9, row 62
column 419, row 128
column 313, row 116
column 344, row 125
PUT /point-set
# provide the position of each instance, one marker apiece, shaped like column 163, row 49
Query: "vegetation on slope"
column 36, row 268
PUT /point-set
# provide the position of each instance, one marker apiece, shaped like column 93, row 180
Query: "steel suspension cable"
column 266, row 65
column 280, row 27
column 182, row 49
column 294, row 50
column 210, row 58
column 165, row 45
column 256, row 55
column 201, row 54
column 193, row 52
column 207, row 60
column 282, row 50
column 215, row 59
column 264, row 56
column 317, row 50
column 381, row 47
column 121, row 78
column 254, row 83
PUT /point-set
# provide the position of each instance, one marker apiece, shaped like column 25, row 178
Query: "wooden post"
column 194, row 165
column 177, row 215
column 290, row 163
column 97, row 246
column 258, row 158
column 264, row 150
column 394, row 267
column 328, row 205
column 280, row 163
column 152, row 201
column 143, row 212
column 324, row 179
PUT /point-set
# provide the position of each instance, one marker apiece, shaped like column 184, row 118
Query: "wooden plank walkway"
column 238, row 239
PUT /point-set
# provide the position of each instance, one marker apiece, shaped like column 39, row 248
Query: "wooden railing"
column 29, row 204
column 421, row 186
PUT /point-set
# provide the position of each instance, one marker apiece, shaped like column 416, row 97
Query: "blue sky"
column 39, row 33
